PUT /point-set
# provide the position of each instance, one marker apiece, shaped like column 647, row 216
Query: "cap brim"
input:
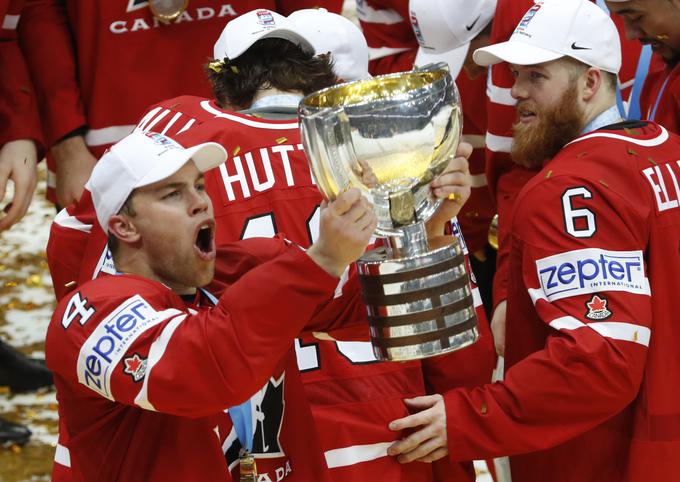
column 206, row 156
column 282, row 33
column 513, row 52
column 455, row 58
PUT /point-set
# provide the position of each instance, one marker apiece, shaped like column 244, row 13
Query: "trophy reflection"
column 390, row 136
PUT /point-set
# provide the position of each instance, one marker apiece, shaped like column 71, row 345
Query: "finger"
column 345, row 201
column 440, row 453
column 412, row 421
column 356, row 212
column 458, row 194
column 371, row 222
column 411, row 442
column 454, row 178
column 423, row 402
column 19, row 204
column 421, row 450
column 464, row 149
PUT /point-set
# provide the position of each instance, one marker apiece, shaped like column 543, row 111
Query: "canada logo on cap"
column 416, row 29
column 528, row 16
column 265, row 18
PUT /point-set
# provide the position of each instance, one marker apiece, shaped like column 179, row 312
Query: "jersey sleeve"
column 18, row 109
column 583, row 269
column 136, row 348
column 53, row 70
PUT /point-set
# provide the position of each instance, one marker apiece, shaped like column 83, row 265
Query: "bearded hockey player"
column 591, row 389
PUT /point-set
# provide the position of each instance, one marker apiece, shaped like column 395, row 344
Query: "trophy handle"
column 433, row 67
column 328, row 144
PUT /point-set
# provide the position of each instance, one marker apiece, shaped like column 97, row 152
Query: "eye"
column 200, row 186
column 536, row 75
column 172, row 194
column 514, row 73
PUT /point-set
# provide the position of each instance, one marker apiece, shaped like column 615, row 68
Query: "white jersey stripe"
column 479, row 180
column 608, row 329
column 499, row 95
column 385, row 16
column 62, row 456
column 660, row 139
column 498, row 143
column 107, row 135
column 356, row 454
column 10, row 22
column 477, row 141
column 159, row 118
column 205, row 105
column 64, row 219
column 155, row 354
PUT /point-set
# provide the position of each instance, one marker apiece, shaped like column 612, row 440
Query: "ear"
column 592, row 83
column 123, row 227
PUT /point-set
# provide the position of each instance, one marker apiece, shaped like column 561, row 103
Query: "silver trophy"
column 390, row 136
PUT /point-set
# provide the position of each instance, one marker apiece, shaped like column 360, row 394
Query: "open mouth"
column 205, row 241
column 526, row 115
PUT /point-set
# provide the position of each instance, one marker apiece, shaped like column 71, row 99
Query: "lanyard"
column 658, row 97
column 241, row 417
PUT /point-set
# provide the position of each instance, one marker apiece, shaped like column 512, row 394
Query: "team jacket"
column 143, row 378
column 590, row 393
column 18, row 109
column 666, row 98
column 504, row 177
column 265, row 187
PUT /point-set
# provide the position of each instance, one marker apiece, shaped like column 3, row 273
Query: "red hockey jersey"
column 594, row 266
column 386, row 24
column 143, row 379
column 18, row 109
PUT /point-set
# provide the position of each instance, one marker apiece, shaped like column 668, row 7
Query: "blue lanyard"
column 634, row 110
column 242, row 418
column 658, row 97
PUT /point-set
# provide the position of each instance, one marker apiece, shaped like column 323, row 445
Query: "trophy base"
column 418, row 306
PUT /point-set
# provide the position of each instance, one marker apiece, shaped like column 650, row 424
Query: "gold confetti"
column 652, row 161
column 234, row 69
column 70, row 284
column 603, row 183
column 236, row 151
column 635, row 336
column 483, row 409
column 581, row 154
column 281, row 140
column 632, row 152
column 548, row 174
column 10, row 284
column 34, row 280
column 15, row 448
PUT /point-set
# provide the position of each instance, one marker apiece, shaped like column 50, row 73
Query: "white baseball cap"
column 444, row 29
column 330, row 32
column 552, row 29
column 243, row 31
column 140, row 159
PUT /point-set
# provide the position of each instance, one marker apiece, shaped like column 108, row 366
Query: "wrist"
column 328, row 263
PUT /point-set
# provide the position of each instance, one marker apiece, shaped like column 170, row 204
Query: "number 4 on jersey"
column 77, row 309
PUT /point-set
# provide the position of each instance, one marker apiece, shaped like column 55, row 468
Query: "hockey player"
column 590, row 393
column 146, row 361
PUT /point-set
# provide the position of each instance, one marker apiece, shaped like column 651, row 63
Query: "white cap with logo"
column 243, row 31
column 330, row 32
column 552, row 29
column 140, row 159
column 444, row 28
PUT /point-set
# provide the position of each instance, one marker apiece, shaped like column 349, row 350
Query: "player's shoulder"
column 111, row 290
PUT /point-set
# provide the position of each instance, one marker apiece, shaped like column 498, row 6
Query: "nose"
column 200, row 202
column 632, row 30
column 518, row 90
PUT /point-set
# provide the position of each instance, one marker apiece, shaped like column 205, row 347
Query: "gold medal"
column 247, row 467
column 167, row 10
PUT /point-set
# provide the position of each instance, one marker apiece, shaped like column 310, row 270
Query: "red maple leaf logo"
column 133, row 364
column 597, row 304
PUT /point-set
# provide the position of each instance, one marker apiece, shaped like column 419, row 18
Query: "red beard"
column 533, row 144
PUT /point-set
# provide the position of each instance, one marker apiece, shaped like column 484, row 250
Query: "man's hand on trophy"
column 453, row 186
column 428, row 444
column 345, row 228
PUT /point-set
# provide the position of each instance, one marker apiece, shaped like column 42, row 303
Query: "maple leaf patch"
column 597, row 308
column 135, row 366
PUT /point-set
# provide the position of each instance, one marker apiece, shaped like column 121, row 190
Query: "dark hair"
column 128, row 210
column 269, row 63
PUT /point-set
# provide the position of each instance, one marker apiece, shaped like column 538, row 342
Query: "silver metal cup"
column 390, row 136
